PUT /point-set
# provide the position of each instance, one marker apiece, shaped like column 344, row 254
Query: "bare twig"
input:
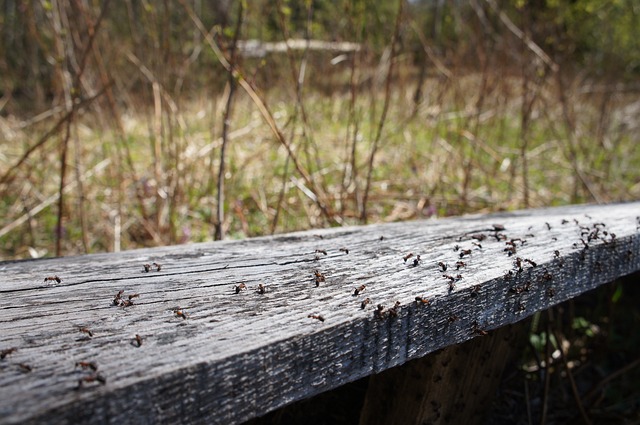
column 51, row 199
column 531, row 45
column 547, row 371
column 574, row 389
column 597, row 387
column 262, row 108
column 219, row 225
column 385, row 109
column 8, row 176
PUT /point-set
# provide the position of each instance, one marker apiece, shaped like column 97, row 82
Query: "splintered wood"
column 226, row 331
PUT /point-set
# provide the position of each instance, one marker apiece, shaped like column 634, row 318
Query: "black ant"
column 87, row 365
column 179, row 313
column 393, row 311
column 358, row 290
column 465, row 252
column 319, row 277
column 4, row 353
column 49, row 278
column 138, row 340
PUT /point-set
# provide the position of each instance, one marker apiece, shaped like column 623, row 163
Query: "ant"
column 158, row 266
column 117, row 298
column 406, row 257
column 345, row 250
column 56, row 278
column 378, row 312
column 498, row 227
column 551, row 292
column 422, row 300
column 316, row 316
column 321, row 251
column 4, row 353
column 452, row 278
column 138, row 340
column 443, row 266
column 239, row 288
column 517, row 289
column 393, row 311
column 319, row 277
column 180, row 313
column 416, row 261
column 364, row 303
column 358, row 290
column 511, row 249
column 147, row 267
column 261, row 289
column 476, row 329
column 87, row 365
column 474, row 291
column 460, row 264
column 465, row 252
column 92, row 378
column 132, row 296
column 25, row 367
column 86, row 331
column 479, row 236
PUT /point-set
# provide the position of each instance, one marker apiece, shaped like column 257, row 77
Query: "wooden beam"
column 453, row 385
column 213, row 348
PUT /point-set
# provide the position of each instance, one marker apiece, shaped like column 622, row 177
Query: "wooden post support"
column 453, row 385
column 227, row 331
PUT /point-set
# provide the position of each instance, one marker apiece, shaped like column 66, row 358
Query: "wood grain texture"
column 240, row 355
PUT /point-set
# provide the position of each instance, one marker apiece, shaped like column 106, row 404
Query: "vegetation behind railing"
column 114, row 115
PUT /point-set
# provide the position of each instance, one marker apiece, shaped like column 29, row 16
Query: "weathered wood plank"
column 237, row 356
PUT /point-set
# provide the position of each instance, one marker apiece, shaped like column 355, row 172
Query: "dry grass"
column 447, row 156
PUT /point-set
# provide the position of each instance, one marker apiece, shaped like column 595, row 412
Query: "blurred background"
column 142, row 123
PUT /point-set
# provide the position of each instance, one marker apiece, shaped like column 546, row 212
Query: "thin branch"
column 623, row 370
column 8, row 176
column 574, row 388
column 537, row 50
column 219, row 226
column 51, row 199
column 547, row 371
column 385, row 109
column 262, row 108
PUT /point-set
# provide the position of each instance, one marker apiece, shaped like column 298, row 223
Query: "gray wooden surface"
column 240, row 355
